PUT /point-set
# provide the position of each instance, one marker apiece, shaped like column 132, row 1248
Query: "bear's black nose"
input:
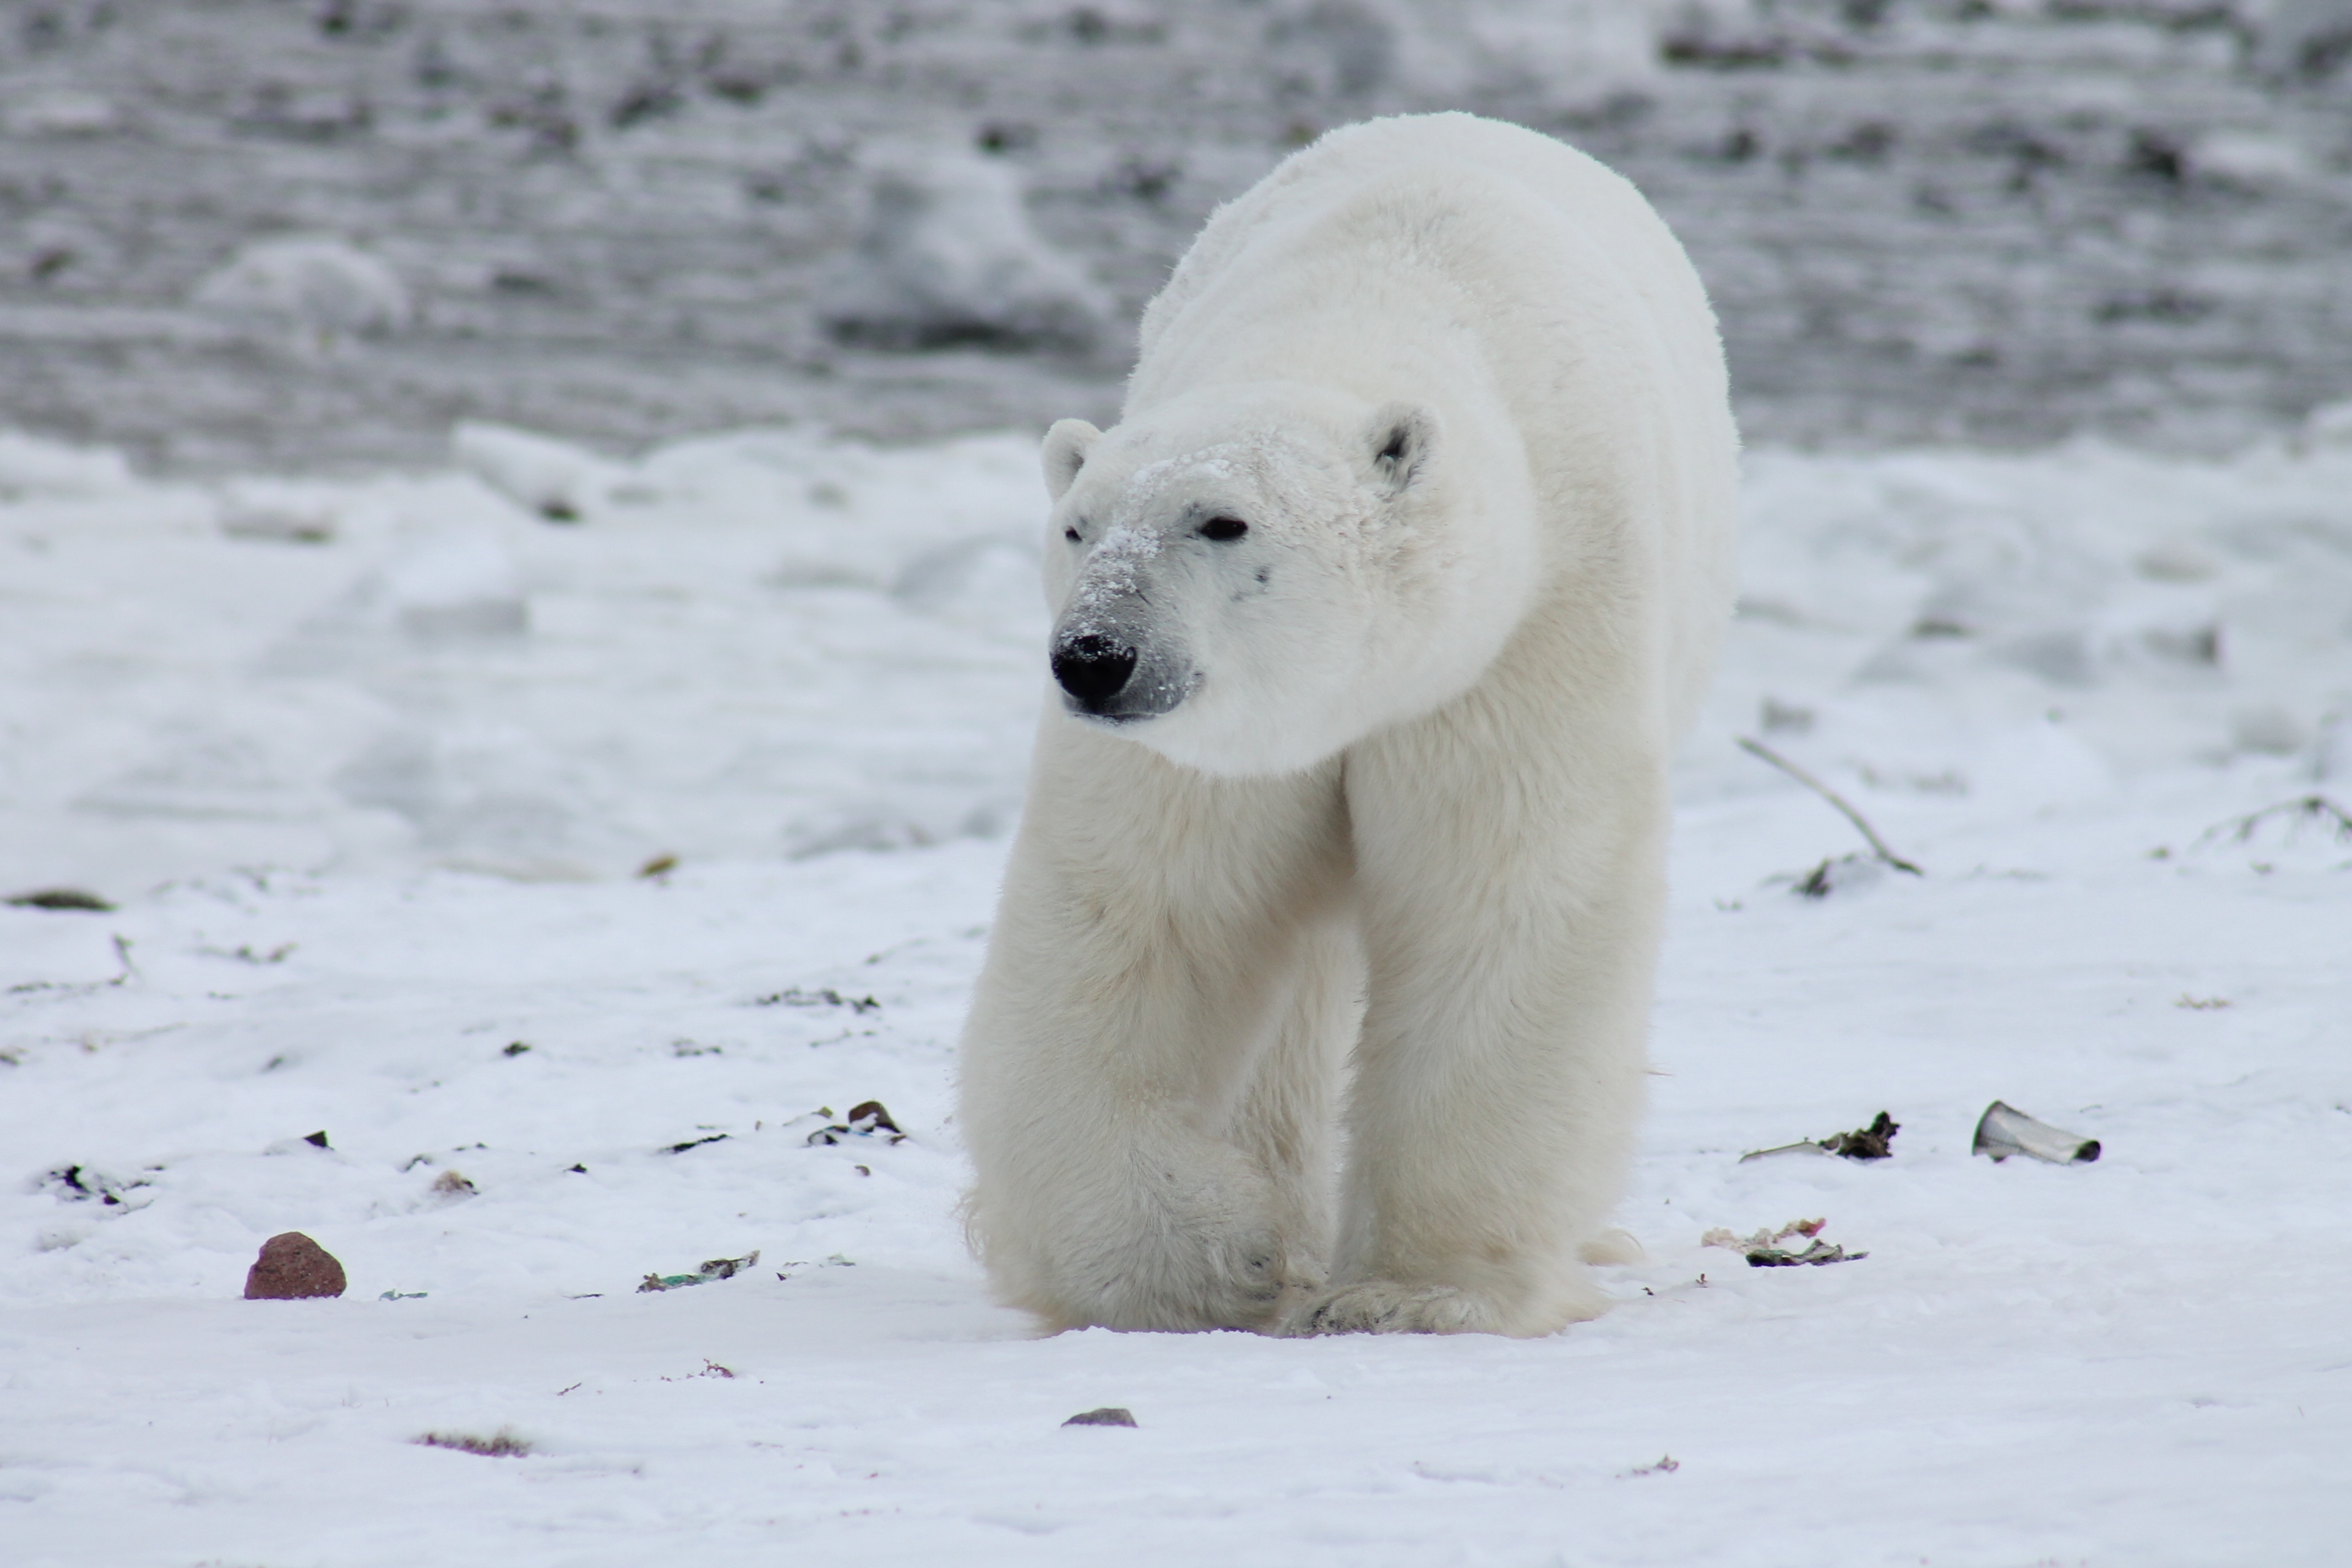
column 1093, row 668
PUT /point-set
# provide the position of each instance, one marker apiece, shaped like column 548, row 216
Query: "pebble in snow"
column 290, row 1267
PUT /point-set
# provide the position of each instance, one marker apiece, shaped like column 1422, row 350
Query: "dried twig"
column 499, row 1445
column 59, row 898
column 2311, row 810
column 1872, row 1142
column 1877, row 845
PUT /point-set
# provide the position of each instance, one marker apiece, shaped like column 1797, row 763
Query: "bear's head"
column 1249, row 579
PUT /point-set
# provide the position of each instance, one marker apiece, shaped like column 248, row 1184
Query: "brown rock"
column 290, row 1267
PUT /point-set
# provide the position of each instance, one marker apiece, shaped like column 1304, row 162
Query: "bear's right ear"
column 1066, row 445
column 1400, row 437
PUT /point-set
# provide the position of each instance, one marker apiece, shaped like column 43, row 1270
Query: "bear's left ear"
column 1402, row 436
column 1064, row 453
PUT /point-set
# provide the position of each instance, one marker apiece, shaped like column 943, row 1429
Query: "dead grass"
column 499, row 1444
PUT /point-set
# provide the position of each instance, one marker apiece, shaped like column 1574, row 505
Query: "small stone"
column 1108, row 1416
column 316, row 1140
column 292, row 1267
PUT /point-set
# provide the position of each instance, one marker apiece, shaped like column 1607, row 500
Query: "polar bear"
column 1317, row 998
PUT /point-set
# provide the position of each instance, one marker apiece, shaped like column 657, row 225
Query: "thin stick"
column 1758, row 749
column 2317, row 807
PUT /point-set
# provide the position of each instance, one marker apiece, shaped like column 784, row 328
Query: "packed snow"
column 576, row 842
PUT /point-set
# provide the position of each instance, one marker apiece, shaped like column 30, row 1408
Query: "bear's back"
column 1450, row 147
column 1583, row 304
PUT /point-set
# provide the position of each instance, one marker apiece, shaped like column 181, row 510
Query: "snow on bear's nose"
column 1093, row 669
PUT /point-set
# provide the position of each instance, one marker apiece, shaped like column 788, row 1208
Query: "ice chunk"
column 2249, row 158
column 2327, row 428
column 559, row 481
column 457, row 585
column 316, row 283
column 948, row 257
column 2266, row 728
column 62, row 111
column 2302, row 37
column 1562, row 47
column 281, row 512
column 32, row 466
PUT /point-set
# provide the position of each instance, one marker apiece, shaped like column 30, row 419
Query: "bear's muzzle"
column 1093, row 669
column 1111, row 679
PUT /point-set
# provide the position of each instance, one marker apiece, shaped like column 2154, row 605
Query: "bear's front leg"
column 1147, row 950
column 1511, row 891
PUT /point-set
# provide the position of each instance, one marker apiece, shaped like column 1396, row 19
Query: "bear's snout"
column 1093, row 669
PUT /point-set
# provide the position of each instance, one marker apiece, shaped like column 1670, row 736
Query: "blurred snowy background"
column 314, row 233
column 518, row 638
column 534, row 259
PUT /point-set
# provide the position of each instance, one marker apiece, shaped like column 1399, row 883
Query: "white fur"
column 1316, row 1001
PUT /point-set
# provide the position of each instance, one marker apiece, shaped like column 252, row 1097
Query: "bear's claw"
column 1381, row 1307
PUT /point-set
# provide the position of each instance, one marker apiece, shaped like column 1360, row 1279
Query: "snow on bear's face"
column 1248, row 580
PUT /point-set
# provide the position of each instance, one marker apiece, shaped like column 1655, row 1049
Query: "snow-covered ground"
column 369, row 769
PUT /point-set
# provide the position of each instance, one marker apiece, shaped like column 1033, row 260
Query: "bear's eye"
column 1223, row 529
column 1071, row 534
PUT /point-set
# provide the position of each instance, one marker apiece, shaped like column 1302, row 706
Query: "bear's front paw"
column 1182, row 1280
column 1383, row 1307
column 1248, row 1272
column 1201, row 1245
